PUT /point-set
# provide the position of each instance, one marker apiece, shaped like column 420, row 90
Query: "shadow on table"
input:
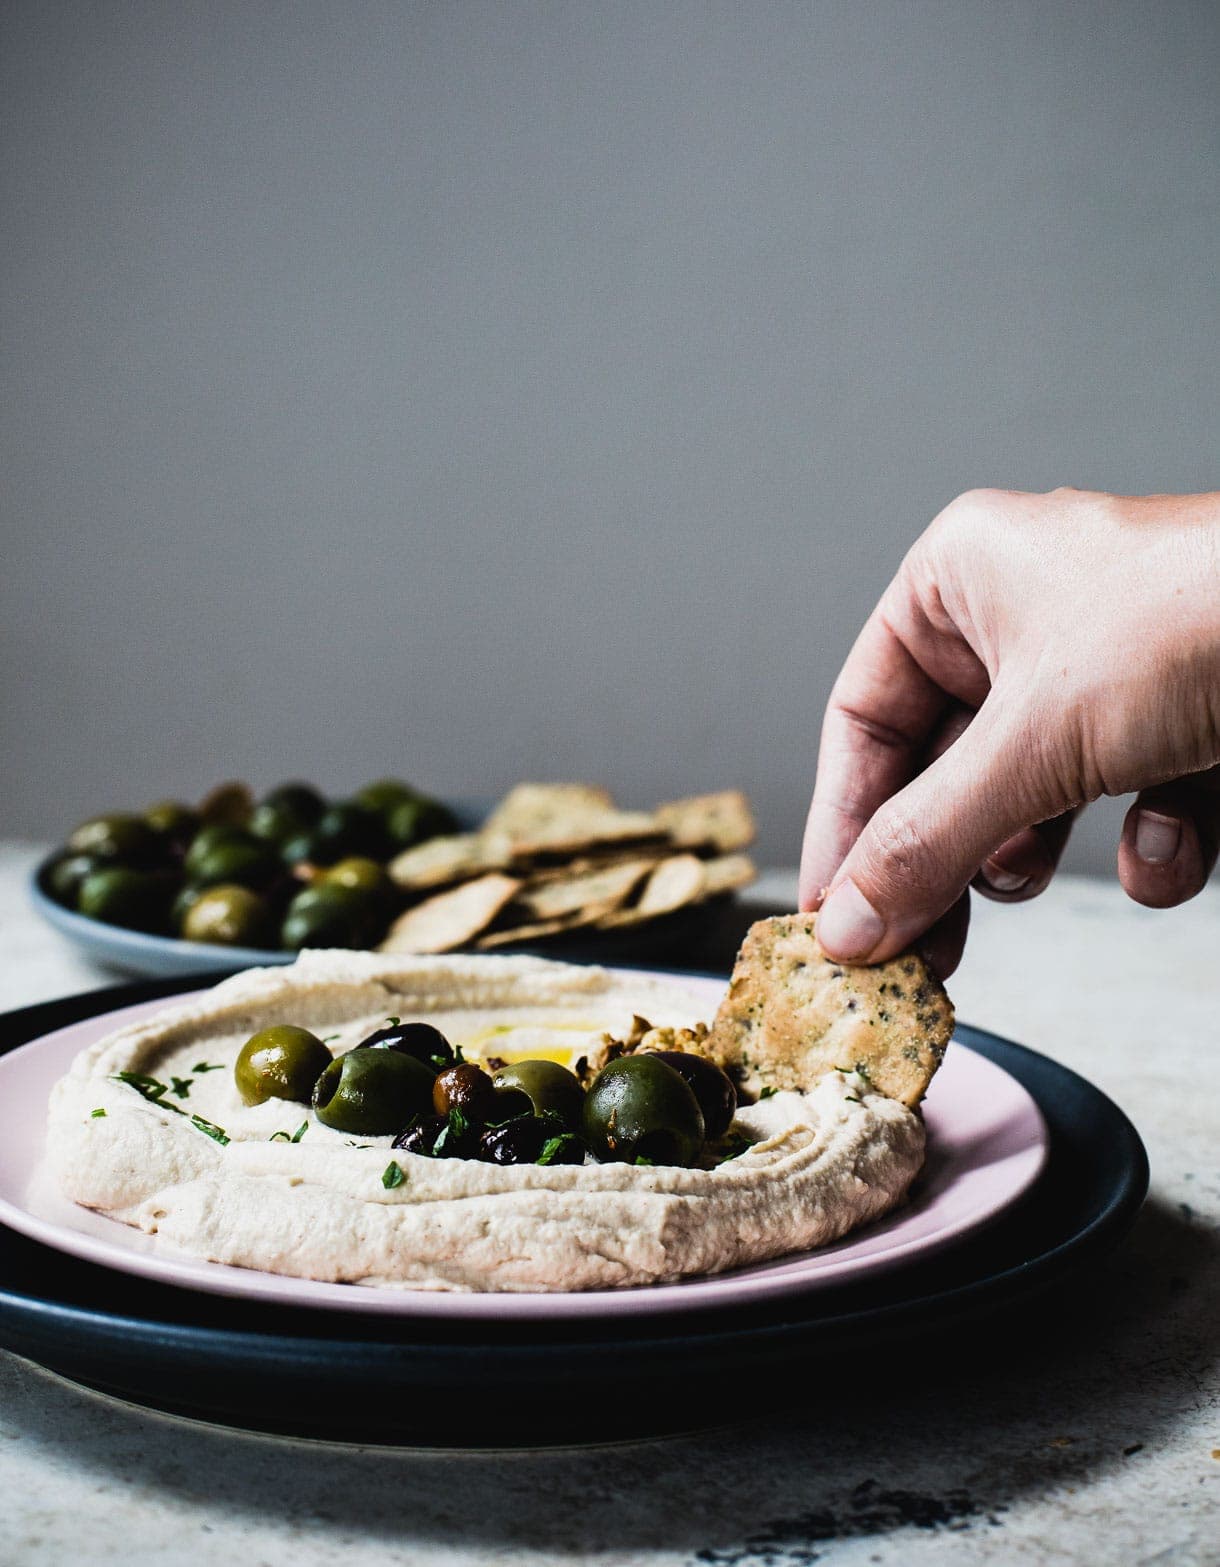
column 1081, row 1383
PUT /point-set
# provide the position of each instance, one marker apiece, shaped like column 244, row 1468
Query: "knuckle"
column 899, row 858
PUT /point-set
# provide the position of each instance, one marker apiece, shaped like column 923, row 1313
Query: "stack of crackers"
column 554, row 858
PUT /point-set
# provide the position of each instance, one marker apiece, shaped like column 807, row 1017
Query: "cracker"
column 539, row 930
column 566, row 819
column 452, row 857
column 726, row 873
column 672, row 884
column 722, row 821
column 555, row 897
column 792, row 1014
column 451, row 919
column 528, row 806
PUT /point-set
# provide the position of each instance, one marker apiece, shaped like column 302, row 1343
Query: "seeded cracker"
column 674, row 883
column 722, row 821
column 792, row 1014
column 561, row 895
column 453, row 857
column 451, row 918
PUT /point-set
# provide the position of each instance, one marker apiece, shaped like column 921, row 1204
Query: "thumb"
column 921, row 848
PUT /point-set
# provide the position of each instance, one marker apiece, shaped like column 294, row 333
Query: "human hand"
column 1033, row 653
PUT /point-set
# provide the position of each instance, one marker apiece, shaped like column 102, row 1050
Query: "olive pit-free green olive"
column 118, row 836
column 64, row 876
column 711, row 1087
column 277, row 822
column 411, row 821
column 244, row 861
column 384, row 794
column 283, row 1062
column 363, row 875
column 640, row 1110
column 302, row 799
column 545, row 1087
column 346, row 828
column 227, row 916
column 371, row 1092
column 173, row 820
column 331, row 915
column 138, row 900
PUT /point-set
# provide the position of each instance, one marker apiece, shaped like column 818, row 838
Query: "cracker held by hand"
column 792, row 1014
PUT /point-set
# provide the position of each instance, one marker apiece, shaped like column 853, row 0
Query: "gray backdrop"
column 486, row 390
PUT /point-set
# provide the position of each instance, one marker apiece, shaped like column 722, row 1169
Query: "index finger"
column 881, row 714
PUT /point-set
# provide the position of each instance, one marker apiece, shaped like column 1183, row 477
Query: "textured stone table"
column 1098, row 1442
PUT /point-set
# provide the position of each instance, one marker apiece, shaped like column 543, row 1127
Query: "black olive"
column 466, row 1087
column 529, row 1138
column 421, row 1134
column 419, row 1040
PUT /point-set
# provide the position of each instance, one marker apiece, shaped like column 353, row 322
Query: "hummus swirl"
column 822, row 1159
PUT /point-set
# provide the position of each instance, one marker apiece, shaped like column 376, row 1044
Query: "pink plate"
column 987, row 1143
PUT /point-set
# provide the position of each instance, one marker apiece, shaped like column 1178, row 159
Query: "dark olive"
column 420, row 1136
column 529, row 1139
column 217, row 836
column 283, row 1062
column 115, row 837
column 324, row 915
column 172, row 820
column 384, row 794
column 302, row 799
column 182, row 903
column 276, row 823
column 465, row 1087
column 547, row 1089
column 711, row 1087
column 372, row 1092
column 300, row 847
column 64, row 876
column 411, row 821
column 227, row 916
column 228, row 805
column 638, row 1109
column 346, row 828
column 248, row 864
column 366, row 876
column 419, row 1040
column 119, row 895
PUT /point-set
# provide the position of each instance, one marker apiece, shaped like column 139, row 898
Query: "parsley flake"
column 393, row 1175
column 207, row 1066
column 454, row 1130
column 643, row 1159
column 148, row 1088
column 300, row 1132
column 182, row 1086
column 210, row 1129
column 851, row 1099
column 279, row 1137
column 93, row 1114
column 393, row 1021
column 554, row 1146
column 767, row 1092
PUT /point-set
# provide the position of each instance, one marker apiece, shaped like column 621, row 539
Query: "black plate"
column 471, row 1384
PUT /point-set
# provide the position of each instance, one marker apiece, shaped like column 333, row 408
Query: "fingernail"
column 1003, row 881
column 849, row 926
column 1157, row 837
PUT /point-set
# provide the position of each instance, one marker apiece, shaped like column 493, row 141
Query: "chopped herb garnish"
column 206, row 1066
column 767, row 1092
column 149, row 1088
column 393, row 1021
column 393, row 1175
column 641, row 1158
column 326, row 1038
column 555, row 1146
column 852, row 1099
column 210, row 1129
column 352, row 1143
column 279, row 1137
column 182, row 1086
column 455, row 1128
column 300, row 1132
column 734, row 1147
column 93, row 1114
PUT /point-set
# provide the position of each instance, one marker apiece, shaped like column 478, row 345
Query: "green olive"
column 64, row 876
column 277, row 822
column 412, row 821
column 546, row 1088
column 214, row 837
column 138, row 900
column 228, row 805
column 243, row 860
column 228, row 916
column 300, row 847
column 639, row 1110
column 115, row 837
column 302, row 799
column 347, row 828
column 173, row 820
column 283, row 1062
column 363, row 875
column 711, row 1087
column 372, row 1092
column 184, row 899
column 384, row 794
column 327, row 914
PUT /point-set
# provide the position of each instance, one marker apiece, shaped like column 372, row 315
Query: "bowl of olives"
column 237, row 879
